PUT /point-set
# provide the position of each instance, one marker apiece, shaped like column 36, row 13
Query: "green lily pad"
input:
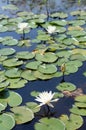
column 73, row 122
column 12, row 96
column 7, row 122
column 42, row 76
column 47, row 57
column 3, row 85
column 13, row 73
column 80, row 104
column 16, row 83
column 59, row 15
column 10, row 41
column 59, row 22
column 33, row 65
column 13, row 62
column 25, row 55
column 7, row 51
column 33, row 106
column 22, row 114
column 78, row 111
column 49, row 123
column 66, row 86
column 47, row 68
column 76, row 33
column 28, row 75
column 77, row 22
column 10, row 7
column 81, row 98
column 2, row 107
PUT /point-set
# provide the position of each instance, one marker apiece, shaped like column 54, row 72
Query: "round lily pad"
column 13, row 73
column 48, row 57
column 49, row 123
column 12, row 62
column 22, row 114
column 42, row 76
column 33, row 65
column 16, row 83
column 47, row 68
column 78, row 111
column 25, row 55
column 7, row 51
column 72, row 122
column 33, row 106
column 28, row 75
column 66, row 86
column 7, row 122
column 3, row 85
column 13, row 95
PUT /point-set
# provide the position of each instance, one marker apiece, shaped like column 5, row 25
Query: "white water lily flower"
column 51, row 29
column 22, row 26
column 46, row 98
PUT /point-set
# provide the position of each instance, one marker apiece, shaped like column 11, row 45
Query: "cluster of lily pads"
column 56, row 41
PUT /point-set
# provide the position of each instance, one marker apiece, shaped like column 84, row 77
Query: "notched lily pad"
column 7, row 51
column 47, row 57
column 49, row 123
column 22, row 114
column 47, row 68
column 66, row 86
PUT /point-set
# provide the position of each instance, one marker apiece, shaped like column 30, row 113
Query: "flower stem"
column 23, row 34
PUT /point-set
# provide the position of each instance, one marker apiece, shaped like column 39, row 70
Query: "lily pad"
column 33, row 106
column 22, row 114
column 78, row 111
column 13, row 62
column 7, row 122
column 7, row 51
column 3, row 85
column 66, row 86
column 25, row 55
column 33, row 65
column 42, row 76
column 13, row 73
column 47, row 57
column 16, row 83
column 73, row 122
column 12, row 96
column 28, row 75
column 47, row 124
column 47, row 68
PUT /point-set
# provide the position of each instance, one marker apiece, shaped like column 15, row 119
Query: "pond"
column 42, row 64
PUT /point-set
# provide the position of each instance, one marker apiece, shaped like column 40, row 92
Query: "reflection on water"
column 39, row 6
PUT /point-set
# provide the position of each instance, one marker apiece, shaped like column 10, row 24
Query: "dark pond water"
column 78, row 79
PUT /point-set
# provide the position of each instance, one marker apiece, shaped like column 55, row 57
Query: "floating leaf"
column 47, row 68
column 7, row 122
column 78, row 111
column 22, row 114
column 3, row 85
column 12, row 96
column 48, row 57
column 7, row 51
column 49, row 123
column 13, row 62
column 28, row 75
column 33, row 106
column 66, row 86
column 16, row 83
column 25, row 55
column 13, row 73
column 73, row 122
column 59, row 14
column 33, row 65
